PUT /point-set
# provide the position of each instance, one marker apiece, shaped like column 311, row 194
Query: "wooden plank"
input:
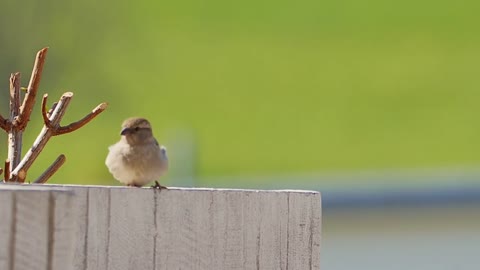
column 303, row 228
column 131, row 237
column 262, row 230
column 7, row 205
column 38, row 230
column 273, row 225
column 232, row 237
column 182, row 240
column 98, row 228
column 30, row 250
column 79, row 261
column 251, row 229
column 218, row 229
column 201, row 230
column 62, row 240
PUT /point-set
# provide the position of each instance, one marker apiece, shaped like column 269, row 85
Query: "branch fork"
column 16, row 168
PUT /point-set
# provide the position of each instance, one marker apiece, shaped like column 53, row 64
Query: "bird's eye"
column 137, row 128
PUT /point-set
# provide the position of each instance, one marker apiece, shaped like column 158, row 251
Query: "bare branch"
column 49, row 113
column 16, row 169
column 51, row 170
column 7, row 170
column 80, row 123
column 45, row 115
column 60, row 109
column 14, row 134
column 44, row 135
column 29, row 100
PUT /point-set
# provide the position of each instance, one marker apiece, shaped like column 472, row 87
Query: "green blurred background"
column 257, row 87
column 375, row 103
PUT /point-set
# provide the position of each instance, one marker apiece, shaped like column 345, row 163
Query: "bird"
column 137, row 158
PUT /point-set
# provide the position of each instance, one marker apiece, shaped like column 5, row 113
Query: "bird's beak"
column 126, row 131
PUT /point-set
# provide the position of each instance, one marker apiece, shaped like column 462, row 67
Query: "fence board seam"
column 85, row 245
column 51, row 229
column 312, row 219
column 258, row 242
column 155, row 236
column 288, row 230
column 109, row 212
column 13, row 232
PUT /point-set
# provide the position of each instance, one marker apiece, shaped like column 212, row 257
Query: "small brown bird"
column 137, row 158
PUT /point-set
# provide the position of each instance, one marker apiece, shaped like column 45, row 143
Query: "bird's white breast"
column 138, row 164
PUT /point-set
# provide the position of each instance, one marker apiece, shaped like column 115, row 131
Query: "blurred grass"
column 265, row 86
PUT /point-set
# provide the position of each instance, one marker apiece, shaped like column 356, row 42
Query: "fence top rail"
column 32, row 187
column 14, row 186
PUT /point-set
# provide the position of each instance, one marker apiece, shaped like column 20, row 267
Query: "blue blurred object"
column 407, row 188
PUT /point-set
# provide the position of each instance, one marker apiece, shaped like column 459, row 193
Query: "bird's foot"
column 158, row 186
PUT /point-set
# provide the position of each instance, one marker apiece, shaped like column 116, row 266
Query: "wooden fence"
column 114, row 228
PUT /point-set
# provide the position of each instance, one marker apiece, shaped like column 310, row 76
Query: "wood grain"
column 141, row 228
column 38, row 228
column 131, row 230
column 81, row 220
column 303, row 225
column 32, row 229
column 7, row 205
column 98, row 228
column 236, row 230
column 62, row 234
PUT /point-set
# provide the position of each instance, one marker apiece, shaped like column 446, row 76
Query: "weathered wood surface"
column 36, row 228
column 131, row 228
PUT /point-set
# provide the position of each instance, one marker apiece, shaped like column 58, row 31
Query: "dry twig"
column 52, row 128
column 16, row 168
column 29, row 100
column 45, row 113
column 54, row 105
column 51, row 170
column 45, row 134
column 7, row 170
column 80, row 123
column 14, row 133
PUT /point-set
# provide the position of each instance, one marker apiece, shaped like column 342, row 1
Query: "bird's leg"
column 158, row 186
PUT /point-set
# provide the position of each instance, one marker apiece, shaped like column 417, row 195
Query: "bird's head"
column 137, row 131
